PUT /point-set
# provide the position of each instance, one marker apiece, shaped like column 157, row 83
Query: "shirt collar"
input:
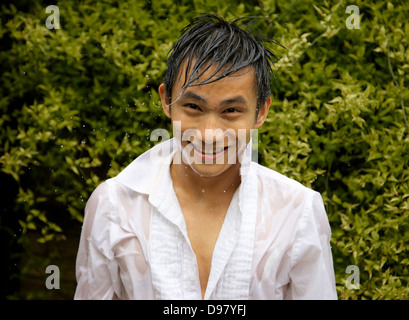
column 149, row 173
column 144, row 173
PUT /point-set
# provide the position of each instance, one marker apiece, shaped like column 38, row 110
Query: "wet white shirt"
column 274, row 242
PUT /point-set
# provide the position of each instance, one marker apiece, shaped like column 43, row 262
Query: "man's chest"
column 203, row 226
column 187, row 238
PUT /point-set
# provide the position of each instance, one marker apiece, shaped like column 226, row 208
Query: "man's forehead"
column 209, row 75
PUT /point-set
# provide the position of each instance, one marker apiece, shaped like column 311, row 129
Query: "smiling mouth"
column 209, row 152
column 208, row 156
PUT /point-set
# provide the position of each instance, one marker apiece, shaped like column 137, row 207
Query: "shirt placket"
column 173, row 262
column 190, row 272
column 232, row 260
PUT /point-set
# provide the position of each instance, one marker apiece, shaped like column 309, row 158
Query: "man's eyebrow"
column 195, row 96
column 238, row 99
column 192, row 95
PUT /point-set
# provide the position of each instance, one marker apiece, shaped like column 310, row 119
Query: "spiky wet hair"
column 210, row 40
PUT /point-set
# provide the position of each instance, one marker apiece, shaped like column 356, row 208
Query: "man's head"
column 210, row 40
column 216, row 86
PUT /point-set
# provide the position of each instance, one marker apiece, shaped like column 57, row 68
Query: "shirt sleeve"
column 96, row 270
column 312, row 272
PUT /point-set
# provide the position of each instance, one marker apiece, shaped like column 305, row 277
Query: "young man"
column 194, row 217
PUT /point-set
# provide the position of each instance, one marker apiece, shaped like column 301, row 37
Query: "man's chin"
column 209, row 170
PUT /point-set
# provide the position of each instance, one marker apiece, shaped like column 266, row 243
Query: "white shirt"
column 274, row 242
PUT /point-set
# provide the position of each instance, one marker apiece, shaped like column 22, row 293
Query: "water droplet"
column 203, row 190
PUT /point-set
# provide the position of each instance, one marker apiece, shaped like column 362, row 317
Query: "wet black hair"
column 210, row 40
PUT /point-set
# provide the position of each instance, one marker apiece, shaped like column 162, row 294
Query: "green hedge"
column 78, row 104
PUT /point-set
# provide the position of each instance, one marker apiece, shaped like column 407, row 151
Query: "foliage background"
column 78, row 104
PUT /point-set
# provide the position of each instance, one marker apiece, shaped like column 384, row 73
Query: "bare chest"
column 203, row 225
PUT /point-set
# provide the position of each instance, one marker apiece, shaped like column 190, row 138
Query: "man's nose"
column 210, row 122
column 212, row 130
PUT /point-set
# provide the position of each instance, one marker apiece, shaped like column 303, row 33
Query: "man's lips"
column 213, row 151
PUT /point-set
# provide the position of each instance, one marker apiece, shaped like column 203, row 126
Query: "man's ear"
column 262, row 113
column 164, row 99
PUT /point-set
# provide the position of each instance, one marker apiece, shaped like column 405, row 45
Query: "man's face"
column 213, row 121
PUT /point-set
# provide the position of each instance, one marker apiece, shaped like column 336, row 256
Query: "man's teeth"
column 211, row 151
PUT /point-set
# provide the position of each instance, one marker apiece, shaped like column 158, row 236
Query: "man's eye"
column 231, row 110
column 192, row 106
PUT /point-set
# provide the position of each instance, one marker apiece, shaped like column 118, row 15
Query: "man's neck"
column 207, row 189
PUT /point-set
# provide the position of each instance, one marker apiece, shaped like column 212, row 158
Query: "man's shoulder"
column 268, row 176
column 280, row 191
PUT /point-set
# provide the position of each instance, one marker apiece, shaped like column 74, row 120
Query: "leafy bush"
column 78, row 104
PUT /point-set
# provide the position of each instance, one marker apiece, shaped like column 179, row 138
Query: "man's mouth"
column 209, row 153
column 209, row 150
